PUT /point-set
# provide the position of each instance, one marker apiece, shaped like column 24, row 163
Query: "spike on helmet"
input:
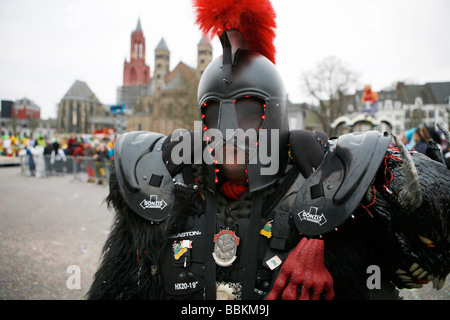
column 245, row 72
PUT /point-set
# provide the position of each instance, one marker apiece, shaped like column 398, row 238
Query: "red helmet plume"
column 255, row 19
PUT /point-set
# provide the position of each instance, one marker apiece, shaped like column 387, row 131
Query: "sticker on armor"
column 274, row 262
column 153, row 203
column 267, row 229
column 312, row 216
column 180, row 248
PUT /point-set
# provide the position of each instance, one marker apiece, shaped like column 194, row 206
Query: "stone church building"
column 167, row 100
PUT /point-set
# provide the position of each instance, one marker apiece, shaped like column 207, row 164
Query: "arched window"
column 141, row 50
column 135, row 51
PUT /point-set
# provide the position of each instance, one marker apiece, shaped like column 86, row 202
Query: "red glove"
column 304, row 266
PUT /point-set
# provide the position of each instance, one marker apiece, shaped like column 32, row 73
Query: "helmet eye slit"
column 250, row 112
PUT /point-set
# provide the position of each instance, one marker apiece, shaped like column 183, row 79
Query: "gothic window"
column 135, row 51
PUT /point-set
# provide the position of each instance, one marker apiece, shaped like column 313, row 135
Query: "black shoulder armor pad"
column 331, row 194
column 144, row 181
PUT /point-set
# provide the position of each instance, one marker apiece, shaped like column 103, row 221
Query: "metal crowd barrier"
column 80, row 167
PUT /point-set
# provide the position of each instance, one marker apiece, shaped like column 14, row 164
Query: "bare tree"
column 328, row 83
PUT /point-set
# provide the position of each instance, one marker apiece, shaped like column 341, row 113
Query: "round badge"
column 225, row 248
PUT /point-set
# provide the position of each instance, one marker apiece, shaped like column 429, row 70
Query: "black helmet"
column 242, row 89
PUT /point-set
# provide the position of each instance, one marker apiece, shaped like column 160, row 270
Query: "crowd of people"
column 418, row 138
column 61, row 154
column 45, row 156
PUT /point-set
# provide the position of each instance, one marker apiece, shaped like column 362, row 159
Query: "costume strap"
column 252, row 245
column 210, row 264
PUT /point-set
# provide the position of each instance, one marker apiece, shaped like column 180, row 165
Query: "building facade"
column 78, row 108
column 399, row 109
column 22, row 118
column 25, row 109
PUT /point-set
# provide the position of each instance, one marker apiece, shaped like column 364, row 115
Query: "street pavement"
column 53, row 229
column 48, row 225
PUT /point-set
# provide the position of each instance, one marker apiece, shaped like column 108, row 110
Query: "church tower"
column 136, row 72
column 162, row 64
column 204, row 55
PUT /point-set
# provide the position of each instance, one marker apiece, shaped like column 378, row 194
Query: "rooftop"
column 80, row 91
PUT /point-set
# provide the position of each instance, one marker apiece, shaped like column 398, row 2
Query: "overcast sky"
column 45, row 45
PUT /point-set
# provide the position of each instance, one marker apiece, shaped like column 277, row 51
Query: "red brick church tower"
column 136, row 72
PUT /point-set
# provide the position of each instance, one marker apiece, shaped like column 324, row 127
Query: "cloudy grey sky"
column 45, row 45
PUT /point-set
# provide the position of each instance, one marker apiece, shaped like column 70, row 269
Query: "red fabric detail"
column 233, row 190
column 386, row 169
column 255, row 19
column 374, row 190
column 305, row 267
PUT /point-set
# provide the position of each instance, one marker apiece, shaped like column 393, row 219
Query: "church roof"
column 29, row 103
column 440, row 91
column 204, row 42
column 162, row 45
column 138, row 27
column 80, row 91
column 180, row 77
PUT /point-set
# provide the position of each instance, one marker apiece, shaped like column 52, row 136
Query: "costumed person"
column 31, row 162
column 369, row 100
column 8, row 146
column 408, row 139
column 58, row 158
column 78, row 154
column 202, row 215
column 38, row 155
column 421, row 137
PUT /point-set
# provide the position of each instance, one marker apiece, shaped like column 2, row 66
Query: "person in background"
column 31, row 163
column 421, row 137
column 38, row 155
column 57, row 158
column 100, row 157
column 47, row 154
